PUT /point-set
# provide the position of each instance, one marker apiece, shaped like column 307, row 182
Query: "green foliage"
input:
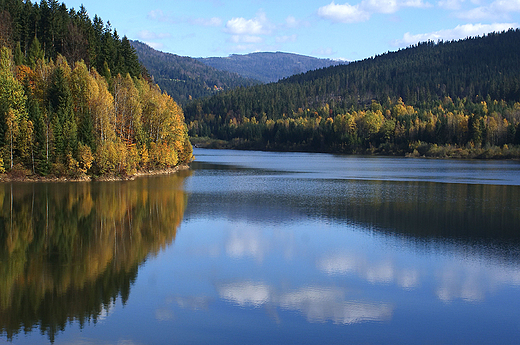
column 48, row 29
column 35, row 53
column 464, row 93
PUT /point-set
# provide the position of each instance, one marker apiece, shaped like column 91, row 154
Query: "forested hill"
column 428, row 71
column 183, row 77
column 74, row 100
column 450, row 94
column 49, row 29
column 268, row 67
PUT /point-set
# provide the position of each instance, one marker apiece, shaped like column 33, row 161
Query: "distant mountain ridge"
column 185, row 78
column 268, row 66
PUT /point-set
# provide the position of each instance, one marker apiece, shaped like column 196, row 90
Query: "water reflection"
column 402, row 254
column 68, row 251
column 265, row 256
column 318, row 304
column 488, row 215
column 373, row 272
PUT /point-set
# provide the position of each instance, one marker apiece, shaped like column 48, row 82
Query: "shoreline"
column 418, row 150
column 86, row 178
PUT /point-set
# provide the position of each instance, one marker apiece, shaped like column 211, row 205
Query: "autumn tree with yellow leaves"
column 63, row 119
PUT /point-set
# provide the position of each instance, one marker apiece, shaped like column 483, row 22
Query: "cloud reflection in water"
column 466, row 278
column 318, row 304
column 382, row 272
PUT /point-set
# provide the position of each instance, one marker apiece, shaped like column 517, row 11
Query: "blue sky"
column 351, row 30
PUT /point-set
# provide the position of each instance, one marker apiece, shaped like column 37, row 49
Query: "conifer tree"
column 35, row 53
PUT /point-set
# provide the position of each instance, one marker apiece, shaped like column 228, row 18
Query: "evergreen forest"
column 74, row 99
column 268, row 67
column 441, row 99
column 185, row 78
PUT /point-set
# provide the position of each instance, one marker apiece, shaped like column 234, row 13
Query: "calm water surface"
column 267, row 248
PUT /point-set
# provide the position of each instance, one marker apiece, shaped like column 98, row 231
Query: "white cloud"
column 249, row 34
column 509, row 5
column 256, row 26
column 381, row 6
column 320, row 304
column 499, row 9
column 459, row 32
column 415, row 3
column 343, row 13
column 361, row 12
column 450, row 4
column 154, row 13
column 473, row 281
column 479, row 13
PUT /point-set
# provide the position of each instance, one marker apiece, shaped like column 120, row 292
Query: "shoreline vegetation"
column 26, row 176
column 75, row 102
column 415, row 150
column 62, row 122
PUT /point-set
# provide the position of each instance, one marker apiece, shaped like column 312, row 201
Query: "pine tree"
column 35, row 53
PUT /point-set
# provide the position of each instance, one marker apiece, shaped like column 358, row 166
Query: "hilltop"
column 183, row 77
column 186, row 78
column 268, row 67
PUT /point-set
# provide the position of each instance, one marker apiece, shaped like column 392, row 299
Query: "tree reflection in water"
column 68, row 250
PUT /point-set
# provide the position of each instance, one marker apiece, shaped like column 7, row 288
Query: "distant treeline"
column 456, row 98
column 99, row 115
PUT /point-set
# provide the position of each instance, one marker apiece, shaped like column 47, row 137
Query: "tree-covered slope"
column 268, row 67
column 183, row 77
column 447, row 93
column 81, row 106
column 479, row 66
column 48, row 29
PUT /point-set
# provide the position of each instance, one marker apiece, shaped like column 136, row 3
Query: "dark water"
column 267, row 248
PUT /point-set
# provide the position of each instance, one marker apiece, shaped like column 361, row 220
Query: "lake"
column 267, row 248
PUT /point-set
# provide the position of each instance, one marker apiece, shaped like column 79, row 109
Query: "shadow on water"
column 69, row 250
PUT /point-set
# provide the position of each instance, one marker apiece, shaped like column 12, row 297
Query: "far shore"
column 415, row 150
column 7, row 177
